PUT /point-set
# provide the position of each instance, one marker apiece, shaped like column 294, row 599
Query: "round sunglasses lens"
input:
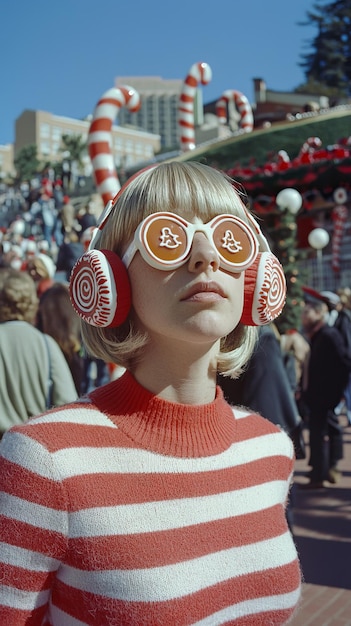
column 165, row 240
column 233, row 243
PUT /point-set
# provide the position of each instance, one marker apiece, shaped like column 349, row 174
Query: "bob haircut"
column 18, row 296
column 186, row 189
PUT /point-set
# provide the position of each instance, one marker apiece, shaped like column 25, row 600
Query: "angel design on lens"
column 230, row 243
column 169, row 239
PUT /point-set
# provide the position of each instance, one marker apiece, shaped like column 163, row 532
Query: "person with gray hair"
column 33, row 372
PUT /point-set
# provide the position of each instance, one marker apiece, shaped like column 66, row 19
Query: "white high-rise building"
column 158, row 113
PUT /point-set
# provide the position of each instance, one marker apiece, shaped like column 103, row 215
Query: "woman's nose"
column 202, row 254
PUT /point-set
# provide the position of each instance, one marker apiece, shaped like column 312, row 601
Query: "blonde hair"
column 186, row 189
column 18, row 296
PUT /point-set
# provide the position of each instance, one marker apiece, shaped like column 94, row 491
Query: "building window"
column 44, row 130
column 45, row 147
column 118, row 144
column 56, row 133
column 129, row 146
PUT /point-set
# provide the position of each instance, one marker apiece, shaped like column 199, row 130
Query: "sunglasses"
column 164, row 241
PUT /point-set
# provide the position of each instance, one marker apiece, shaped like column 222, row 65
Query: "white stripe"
column 187, row 116
column 99, row 135
column 75, row 461
column 34, row 514
column 252, row 607
column 16, row 556
column 188, row 90
column 22, row 600
column 240, row 413
column 108, row 110
column 103, row 161
column 79, row 461
column 161, row 584
column 19, row 448
column 76, row 415
column 128, row 519
column 109, row 185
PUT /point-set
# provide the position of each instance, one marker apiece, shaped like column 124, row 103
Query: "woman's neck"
column 187, row 376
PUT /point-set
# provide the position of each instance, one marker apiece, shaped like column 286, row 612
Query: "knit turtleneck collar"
column 169, row 428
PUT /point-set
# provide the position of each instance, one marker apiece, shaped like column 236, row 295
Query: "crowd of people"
column 167, row 481
column 42, row 235
column 40, row 216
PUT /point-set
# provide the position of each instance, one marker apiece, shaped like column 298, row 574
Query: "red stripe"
column 100, row 176
column 95, row 610
column 191, row 81
column 29, row 537
column 186, row 98
column 99, row 147
column 115, row 100
column 163, row 548
column 104, row 490
column 22, row 483
column 15, row 617
column 25, row 580
column 185, row 124
column 100, row 124
column 58, row 435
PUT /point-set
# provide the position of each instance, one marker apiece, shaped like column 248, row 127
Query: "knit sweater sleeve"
column 33, row 528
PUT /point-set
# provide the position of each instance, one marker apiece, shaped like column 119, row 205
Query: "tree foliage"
column 328, row 62
column 284, row 246
column 76, row 145
column 27, row 163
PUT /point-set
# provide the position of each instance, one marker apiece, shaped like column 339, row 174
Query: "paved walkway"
column 322, row 531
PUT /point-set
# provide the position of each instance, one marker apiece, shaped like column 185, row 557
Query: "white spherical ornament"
column 318, row 238
column 289, row 199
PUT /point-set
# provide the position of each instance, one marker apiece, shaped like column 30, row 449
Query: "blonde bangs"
column 186, row 189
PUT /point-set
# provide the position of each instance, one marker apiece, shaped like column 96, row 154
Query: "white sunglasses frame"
column 139, row 242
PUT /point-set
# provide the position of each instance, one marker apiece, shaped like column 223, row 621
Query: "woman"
column 57, row 318
column 33, row 372
column 153, row 501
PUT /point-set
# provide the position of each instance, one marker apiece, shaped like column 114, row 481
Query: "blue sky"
column 62, row 56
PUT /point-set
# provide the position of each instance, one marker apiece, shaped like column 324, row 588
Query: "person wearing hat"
column 42, row 269
column 324, row 380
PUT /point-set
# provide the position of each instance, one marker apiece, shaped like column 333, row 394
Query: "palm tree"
column 74, row 148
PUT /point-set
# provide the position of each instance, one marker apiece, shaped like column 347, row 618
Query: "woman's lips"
column 204, row 292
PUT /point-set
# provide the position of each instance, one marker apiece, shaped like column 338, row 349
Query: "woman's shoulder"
column 67, row 425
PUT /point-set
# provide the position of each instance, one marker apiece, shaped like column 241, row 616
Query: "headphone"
column 100, row 290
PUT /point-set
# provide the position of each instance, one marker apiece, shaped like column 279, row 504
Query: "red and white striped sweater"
column 127, row 509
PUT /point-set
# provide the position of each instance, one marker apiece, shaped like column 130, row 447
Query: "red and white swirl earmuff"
column 265, row 285
column 99, row 284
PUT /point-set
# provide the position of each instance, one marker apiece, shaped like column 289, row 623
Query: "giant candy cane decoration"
column 339, row 216
column 230, row 98
column 198, row 73
column 99, row 137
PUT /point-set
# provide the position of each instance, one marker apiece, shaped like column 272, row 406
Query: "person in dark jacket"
column 69, row 251
column 325, row 379
column 267, row 388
